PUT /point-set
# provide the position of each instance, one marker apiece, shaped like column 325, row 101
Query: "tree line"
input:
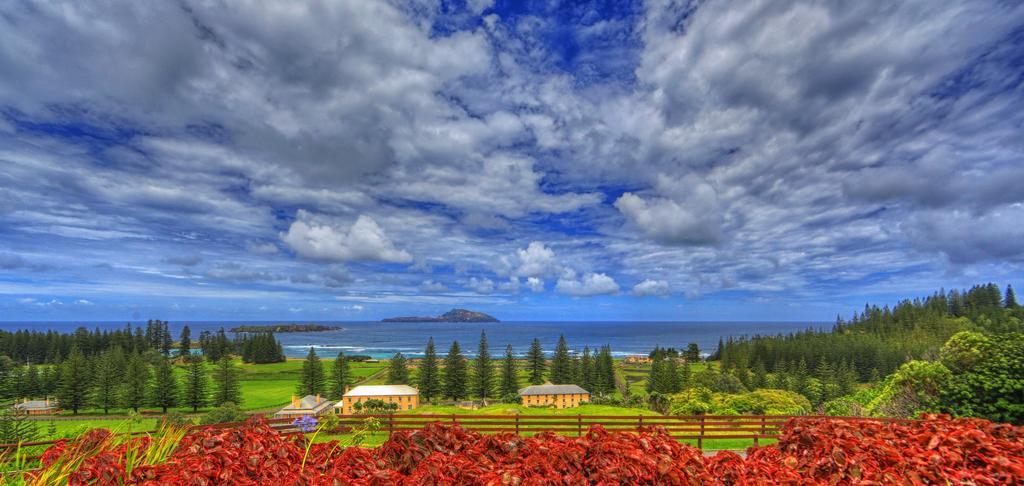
column 826, row 365
column 29, row 347
column 115, row 379
column 456, row 377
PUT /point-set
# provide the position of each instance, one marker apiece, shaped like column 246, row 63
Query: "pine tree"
column 398, row 372
column 341, row 378
column 166, row 343
column 605, row 382
column 760, row 378
column 185, row 342
column 654, row 376
column 74, row 381
column 586, row 378
column 429, row 377
column 165, row 386
column 509, row 383
column 483, row 370
column 455, row 379
column 311, row 381
column 692, row 352
column 225, row 380
column 671, row 375
column 108, row 374
column 685, row 376
column 561, row 364
column 136, row 382
column 1010, row 302
column 196, row 384
column 535, row 363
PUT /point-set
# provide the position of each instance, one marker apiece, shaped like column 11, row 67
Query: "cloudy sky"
column 353, row 159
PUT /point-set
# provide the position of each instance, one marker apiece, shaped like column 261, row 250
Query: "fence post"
column 391, row 424
column 700, row 438
column 517, row 424
column 579, row 425
column 756, row 436
column 639, row 422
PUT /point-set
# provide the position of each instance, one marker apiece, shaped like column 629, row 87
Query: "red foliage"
column 810, row 451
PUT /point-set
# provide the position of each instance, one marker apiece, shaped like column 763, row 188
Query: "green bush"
column 229, row 412
column 703, row 400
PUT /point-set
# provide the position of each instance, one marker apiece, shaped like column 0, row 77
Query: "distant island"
column 284, row 328
column 454, row 315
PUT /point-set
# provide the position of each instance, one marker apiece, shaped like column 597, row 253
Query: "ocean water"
column 383, row 340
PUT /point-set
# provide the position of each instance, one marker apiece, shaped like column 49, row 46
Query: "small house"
column 307, row 406
column 558, row 396
column 405, row 396
column 37, row 407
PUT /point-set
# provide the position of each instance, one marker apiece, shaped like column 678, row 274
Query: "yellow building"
column 558, row 396
column 405, row 396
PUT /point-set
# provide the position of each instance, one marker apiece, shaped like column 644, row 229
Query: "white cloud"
column 365, row 240
column 83, row 302
column 651, row 287
column 590, row 284
column 481, row 285
column 690, row 215
column 432, row 286
column 535, row 284
column 536, row 260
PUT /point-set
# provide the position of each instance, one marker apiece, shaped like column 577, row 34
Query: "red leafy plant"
column 939, row 450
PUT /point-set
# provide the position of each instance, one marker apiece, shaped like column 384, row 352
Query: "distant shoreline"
column 281, row 328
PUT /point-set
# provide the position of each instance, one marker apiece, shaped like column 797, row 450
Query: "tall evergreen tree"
column 536, row 363
column 760, row 376
column 225, row 380
column 561, row 363
column 107, row 376
column 165, row 386
column 196, row 392
column 483, row 370
column 685, row 376
column 398, row 371
column 1010, row 302
column 605, row 382
column 692, row 352
column 341, row 377
column 311, row 381
column 74, row 382
column 586, row 374
column 166, row 342
column 429, row 377
column 509, row 383
column 185, row 342
column 455, row 375
column 136, row 382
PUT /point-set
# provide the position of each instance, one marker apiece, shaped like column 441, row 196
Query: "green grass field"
column 268, row 386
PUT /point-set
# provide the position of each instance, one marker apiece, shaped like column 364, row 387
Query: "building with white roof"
column 309, row 405
column 405, row 396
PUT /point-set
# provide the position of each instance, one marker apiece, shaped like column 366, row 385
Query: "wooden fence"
column 699, row 428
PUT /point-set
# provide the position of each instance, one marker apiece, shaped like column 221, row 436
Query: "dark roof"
column 553, row 390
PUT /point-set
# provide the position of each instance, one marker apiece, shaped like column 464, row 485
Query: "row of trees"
column 825, row 381
column 313, row 380
column 115, row 379
column 878, row 340
column 50, row 347
column 456, row 377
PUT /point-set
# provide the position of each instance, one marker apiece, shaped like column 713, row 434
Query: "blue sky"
column 352, row 160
